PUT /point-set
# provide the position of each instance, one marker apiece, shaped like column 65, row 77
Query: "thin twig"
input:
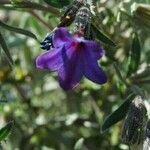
column 32, row 5
column 120, row 75
column 96, row 109
column 40, row 19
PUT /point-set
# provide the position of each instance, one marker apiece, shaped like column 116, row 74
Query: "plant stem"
column 119, row 74
column 32, row 5
column 40, row 19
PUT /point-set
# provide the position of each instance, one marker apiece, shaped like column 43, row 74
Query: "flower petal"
column 61, row 36
column 72, row 70
column 50, row 60
column 92, row 71
column 94, row 49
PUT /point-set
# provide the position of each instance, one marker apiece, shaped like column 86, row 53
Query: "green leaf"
column 58, row 3
column 5, row 48
column 79, row 144
column 119, row 73
column 102, row 37
column 16, row 1
column 134, row 55
column 118, row 114
column 18, row 30
column 4, row 132
column 3, row 99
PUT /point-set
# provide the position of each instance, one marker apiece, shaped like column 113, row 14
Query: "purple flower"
column 73, row 57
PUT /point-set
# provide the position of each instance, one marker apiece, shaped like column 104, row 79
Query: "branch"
column 40, row 19
column 32, row 5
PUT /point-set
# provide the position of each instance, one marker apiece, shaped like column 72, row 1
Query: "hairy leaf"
column 134, row 55
column 102, row 37
column 79, row 144
column 4, row 132
column 58, row 3
column 5, row 48
column 118, row 114
column 18, row 30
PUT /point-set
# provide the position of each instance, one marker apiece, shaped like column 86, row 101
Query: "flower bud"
column 133, row 130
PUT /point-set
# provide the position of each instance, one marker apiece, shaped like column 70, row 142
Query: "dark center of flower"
column 77, row 45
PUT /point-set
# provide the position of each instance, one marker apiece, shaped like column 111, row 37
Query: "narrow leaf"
column 3, row 99
column 102, row 37
column 57, row 3
column 118, row 114
column 119, row 73
column 134, row 55
column 5, row 48
column 18, row 30
column 4, row 132
column 79, row 144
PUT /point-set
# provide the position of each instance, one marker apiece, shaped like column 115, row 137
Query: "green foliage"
column 18, row 30
column 102, row 37
column 5, row 131
column 134, row 55
column 5, row 48
column 46, row 117
column 79, row 144
column 58, row 3
column 118, row 114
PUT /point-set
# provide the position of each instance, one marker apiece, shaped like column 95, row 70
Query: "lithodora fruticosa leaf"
column 134, row 55
column 4, row 132
column 5, row 49
column 79, row 144
column 118, row 114
column 18, row 30
column 102, row 37
column 58, row 3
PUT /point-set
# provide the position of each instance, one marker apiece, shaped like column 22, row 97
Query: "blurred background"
column 46, row 117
